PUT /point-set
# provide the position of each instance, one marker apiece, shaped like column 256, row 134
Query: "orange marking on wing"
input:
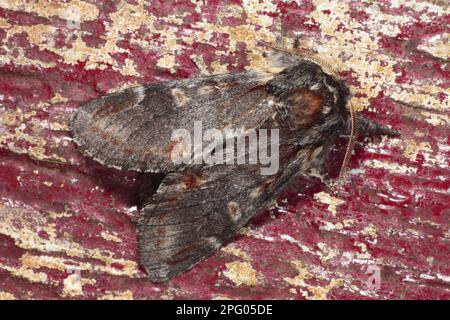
column 169, row 148
column 115, row 141
column 183, row 253
column 193, row 180
column 127, row 150
column 115, row 105
column 94, row 128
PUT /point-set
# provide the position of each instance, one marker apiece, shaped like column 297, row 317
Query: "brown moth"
column 194, row 208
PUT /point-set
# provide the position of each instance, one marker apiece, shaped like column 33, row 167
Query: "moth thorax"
column 301, row 108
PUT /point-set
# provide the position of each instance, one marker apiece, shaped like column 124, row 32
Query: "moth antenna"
column 350, row 146
column 326, row 66
column 307, row 55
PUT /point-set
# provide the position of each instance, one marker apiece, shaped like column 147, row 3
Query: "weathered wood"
column 67, row 224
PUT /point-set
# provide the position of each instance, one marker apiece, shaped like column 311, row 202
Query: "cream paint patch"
column 125, row 295
column 110, row 237
column 28, row 274
column 36, row 145
column 4, row 23
column 129, row 17
column 431, row 6
column 241, row 273
column 290, row 239
column 31, row 262
column 73, row 285
column 74, row 10
column 374, row 70
column 392, row 167
column 331, row 201
column 436, row 119
column 254, row 8
column 237, row 252
column 411, row 148
column 6, row 296
column 364, row 254
column 326, row 252
column 316, row 292
column 221, row 297
column 256, row 13
column 230, row 11
column 329, row 226
column 437, row 46
column 420, row 96
column 23, row 225
column 370, row 231
column 167, row 61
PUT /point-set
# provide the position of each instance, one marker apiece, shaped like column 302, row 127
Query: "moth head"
column 315, row 102
column 307, row 91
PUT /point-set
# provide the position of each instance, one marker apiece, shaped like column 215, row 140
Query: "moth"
column 189, row 210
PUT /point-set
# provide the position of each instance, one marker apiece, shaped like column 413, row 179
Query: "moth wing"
column 132, row 129
column 195, row 212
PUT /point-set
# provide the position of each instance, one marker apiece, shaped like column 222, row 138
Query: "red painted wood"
column 67, row 223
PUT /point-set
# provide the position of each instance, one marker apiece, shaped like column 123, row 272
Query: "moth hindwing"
column 198, row 206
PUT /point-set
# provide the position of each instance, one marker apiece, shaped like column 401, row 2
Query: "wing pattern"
column 132, row 129
column 194, row 212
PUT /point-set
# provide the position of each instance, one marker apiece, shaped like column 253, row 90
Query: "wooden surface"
column 67, row 224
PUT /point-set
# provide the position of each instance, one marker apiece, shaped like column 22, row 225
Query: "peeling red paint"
column 82, row 213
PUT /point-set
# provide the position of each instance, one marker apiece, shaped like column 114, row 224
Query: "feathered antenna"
column 308, row 55
column 311, row 56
